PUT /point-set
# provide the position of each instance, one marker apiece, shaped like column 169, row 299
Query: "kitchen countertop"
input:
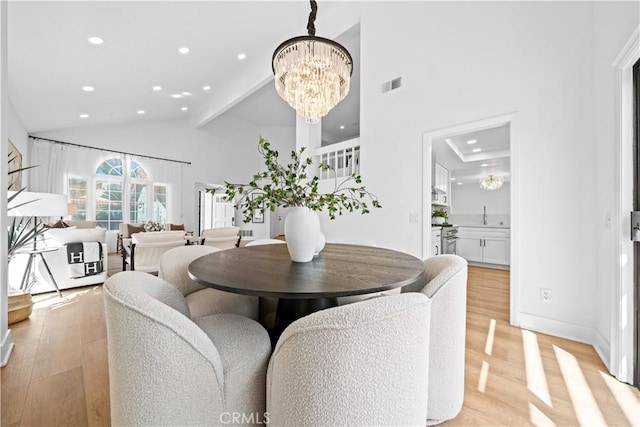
column 485, row 225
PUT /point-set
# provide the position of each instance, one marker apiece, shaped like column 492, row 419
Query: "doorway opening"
column 455, row 160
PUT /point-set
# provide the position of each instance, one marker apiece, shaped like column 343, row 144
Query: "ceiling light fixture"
column 242, row 56
column 341, row 126
column 312, row 73
column 95, row 40
column 183, row 50
column 186, row 93
column 484, row 165
column 140, row 112
column 206, row 87
column 491, row 182
column 184, row 108
column 88, row 88
column 156, row 88
column 476, row 150
column 176, row 95
column 472, row 141
column 84, row 116
column 453, row 178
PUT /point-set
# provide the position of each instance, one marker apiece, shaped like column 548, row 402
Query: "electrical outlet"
column 545, row 295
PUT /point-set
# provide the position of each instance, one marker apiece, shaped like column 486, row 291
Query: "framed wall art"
column 15, row 164
column 258, row 214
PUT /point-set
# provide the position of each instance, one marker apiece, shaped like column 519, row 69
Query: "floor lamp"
column 34, row 205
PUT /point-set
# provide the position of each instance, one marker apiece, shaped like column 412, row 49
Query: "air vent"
column 392, row 84
column 246, row 233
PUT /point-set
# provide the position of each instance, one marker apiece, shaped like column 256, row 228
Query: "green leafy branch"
column 290, row 186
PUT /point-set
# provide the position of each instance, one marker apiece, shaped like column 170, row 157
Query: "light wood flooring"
column 58, row 373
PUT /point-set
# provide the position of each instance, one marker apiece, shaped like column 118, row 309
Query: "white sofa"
column 57, row 260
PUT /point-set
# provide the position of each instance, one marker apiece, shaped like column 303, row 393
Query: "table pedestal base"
column 290, row 310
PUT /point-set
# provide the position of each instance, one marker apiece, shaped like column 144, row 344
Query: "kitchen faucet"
column 484, row 215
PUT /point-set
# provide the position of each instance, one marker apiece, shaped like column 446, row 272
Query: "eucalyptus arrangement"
column 291, row 186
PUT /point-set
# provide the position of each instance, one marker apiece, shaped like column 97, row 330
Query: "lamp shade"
column 37, row 204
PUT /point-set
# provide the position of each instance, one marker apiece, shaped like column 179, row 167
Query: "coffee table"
column 302, row 288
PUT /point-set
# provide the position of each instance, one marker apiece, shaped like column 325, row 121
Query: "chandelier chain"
column 311, row 28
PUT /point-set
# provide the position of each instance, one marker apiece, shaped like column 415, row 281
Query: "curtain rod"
column 104, row 149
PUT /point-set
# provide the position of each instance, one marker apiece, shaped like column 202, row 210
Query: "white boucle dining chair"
column 360, row 364
column 202, row 300
column 166, row 369
column 445, row 281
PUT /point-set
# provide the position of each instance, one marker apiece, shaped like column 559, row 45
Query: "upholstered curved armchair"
column 147, row 248
column 221, row 238
column 174, row 265
column 165, row 369
column 445, row 282
column 360, row 364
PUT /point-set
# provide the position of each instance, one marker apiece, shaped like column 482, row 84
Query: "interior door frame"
column 621, row 360
column 488, row 123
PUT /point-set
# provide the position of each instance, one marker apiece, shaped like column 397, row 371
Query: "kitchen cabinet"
column 436, row 237
column 484, row 244
column 440, row 185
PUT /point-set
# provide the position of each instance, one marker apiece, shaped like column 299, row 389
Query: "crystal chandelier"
column 491, row 182
column 312, row 73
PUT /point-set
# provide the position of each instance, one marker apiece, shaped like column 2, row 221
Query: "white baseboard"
column 5, row 348
column 568, row 331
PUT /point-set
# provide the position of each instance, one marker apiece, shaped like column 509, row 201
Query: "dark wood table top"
column 339, row 270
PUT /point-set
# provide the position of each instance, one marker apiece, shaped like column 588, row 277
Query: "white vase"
column 321, row 242
column 301, row 230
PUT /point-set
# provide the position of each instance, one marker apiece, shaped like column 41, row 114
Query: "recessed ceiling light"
column 140, row 111
column 206, row 87
column 84, row 116
column 95, row 40
column 88, row 88
column 156, row 88
column 341, row 126
column 176, row 95
column 186, row 93
column 184, row 108
column 453, row 178
column 484, row 165
column 459, row 183
column 183, row 50
column 471, row 141
column 477, row 150
column 242, row 56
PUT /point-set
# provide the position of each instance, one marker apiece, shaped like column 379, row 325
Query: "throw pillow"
column 59, row 224
column 135, row 229
column 173, row 227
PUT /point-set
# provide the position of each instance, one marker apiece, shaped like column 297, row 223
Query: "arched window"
column 122, row 191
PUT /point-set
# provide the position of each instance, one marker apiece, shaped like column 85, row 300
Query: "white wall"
column 462, row 62
column 223, row 150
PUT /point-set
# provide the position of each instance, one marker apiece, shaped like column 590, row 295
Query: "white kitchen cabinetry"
column 436, row 235
column 440, row 185
column 484, row 244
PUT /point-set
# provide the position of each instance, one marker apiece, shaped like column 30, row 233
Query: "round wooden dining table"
column 303, row 288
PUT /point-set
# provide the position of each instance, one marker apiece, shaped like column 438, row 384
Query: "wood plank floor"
column 58, row 372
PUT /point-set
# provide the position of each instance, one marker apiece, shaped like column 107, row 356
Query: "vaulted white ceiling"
column 50, row 59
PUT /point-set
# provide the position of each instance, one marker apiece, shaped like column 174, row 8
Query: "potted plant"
column 21, row 233
column 439, row 216
column 290, row 186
